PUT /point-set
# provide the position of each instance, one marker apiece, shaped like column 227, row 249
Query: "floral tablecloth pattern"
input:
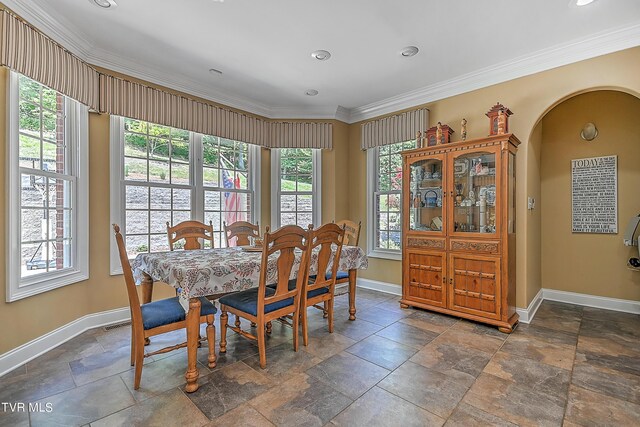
column 214, row 271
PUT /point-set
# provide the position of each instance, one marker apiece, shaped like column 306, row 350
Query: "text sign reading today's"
column 594, row 195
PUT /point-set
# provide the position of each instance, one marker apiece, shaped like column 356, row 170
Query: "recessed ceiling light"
column 104, row 4
column 583, row 2
column 321, row 55
column 215, row 72
column 409, row 51
column 312, row 92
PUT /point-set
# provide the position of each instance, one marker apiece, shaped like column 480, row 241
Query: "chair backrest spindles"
column 191, row 232
column 351, row 231
column 285, row 241
column 134, row 300
column 329, row 238
column 242, row 231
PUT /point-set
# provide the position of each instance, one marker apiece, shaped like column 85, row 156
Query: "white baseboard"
column 376, row 285
column 526, row 314
column 34, row 348
column 615, row 304
column 29, row 351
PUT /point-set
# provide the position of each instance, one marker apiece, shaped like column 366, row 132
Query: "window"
column 48, row 184
column 161, row 174
column 156, row 184
column 227, row 194
column 384, row 176
column 296, row 175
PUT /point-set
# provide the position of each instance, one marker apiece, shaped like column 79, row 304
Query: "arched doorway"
column 592, row 264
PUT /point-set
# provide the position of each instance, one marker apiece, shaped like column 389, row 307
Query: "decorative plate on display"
column 460, row 166
column 252, row 248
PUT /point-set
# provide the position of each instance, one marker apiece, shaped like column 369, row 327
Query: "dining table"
column 218, row 271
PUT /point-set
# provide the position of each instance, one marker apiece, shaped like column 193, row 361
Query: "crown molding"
column 319, row 113
column 110, row 61
column 343, row 114
column 542, row 60
column 578, row 50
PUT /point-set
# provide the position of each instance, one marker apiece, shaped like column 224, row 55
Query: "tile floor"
column 571, row 366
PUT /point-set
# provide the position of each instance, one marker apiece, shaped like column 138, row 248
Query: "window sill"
column 382, row 254
column 46, row 285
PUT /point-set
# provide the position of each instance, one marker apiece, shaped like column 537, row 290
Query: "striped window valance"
column 138, row 101
column 29, row 52
column 26, row 50
column 301, row 135
column 392, row 129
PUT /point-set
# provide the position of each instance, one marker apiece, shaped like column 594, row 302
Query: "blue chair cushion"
column 341, row 275
column 168, row 311
column 247, row 301
column 315, row 292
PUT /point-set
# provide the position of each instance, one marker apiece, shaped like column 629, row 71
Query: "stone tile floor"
column 572, row 366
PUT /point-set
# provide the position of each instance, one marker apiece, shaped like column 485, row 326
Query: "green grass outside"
column 31, row 148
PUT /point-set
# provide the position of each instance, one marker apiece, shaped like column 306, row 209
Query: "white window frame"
column 117, row 195
column 373, row 155
column 77, row 138
column 316, row 181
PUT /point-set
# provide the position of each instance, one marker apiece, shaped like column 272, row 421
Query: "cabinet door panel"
column 475, row 285
column 475, row 185
column 425, row 195
column 426, row 278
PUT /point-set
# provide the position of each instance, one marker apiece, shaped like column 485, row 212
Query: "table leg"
column 193, row 329
column 352, row 293
column 147, row 290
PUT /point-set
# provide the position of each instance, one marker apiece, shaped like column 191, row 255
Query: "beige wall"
column 32, row 317
column 35, row 316
column 344, row 189
column 334, row 175
column 593, row 264
column 529, row 98
column 534, row 216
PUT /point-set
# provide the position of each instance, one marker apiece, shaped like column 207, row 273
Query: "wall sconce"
column 589, row 132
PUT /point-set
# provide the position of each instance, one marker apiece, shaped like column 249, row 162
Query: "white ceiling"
column 263, row 47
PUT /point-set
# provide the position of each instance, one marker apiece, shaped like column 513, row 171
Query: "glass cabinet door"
column 425, row 198
column 474, row 192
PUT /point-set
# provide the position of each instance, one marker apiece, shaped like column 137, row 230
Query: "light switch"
column 531, row 203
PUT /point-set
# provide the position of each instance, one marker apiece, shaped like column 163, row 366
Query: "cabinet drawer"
column 425, row 243
column 475, row 246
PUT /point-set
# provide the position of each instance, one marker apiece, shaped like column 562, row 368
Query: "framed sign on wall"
column 594, row 195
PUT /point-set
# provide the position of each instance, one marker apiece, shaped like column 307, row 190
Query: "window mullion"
column 196, row 173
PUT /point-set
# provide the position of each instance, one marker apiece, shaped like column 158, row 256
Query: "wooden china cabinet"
column 459, row 236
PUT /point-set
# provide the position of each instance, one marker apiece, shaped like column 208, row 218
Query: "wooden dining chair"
column 265, row 303
column 320, row 288
column 191, row 232
column 158, row 317
column 351, row 238
column 351, row 231
column 242, row 231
